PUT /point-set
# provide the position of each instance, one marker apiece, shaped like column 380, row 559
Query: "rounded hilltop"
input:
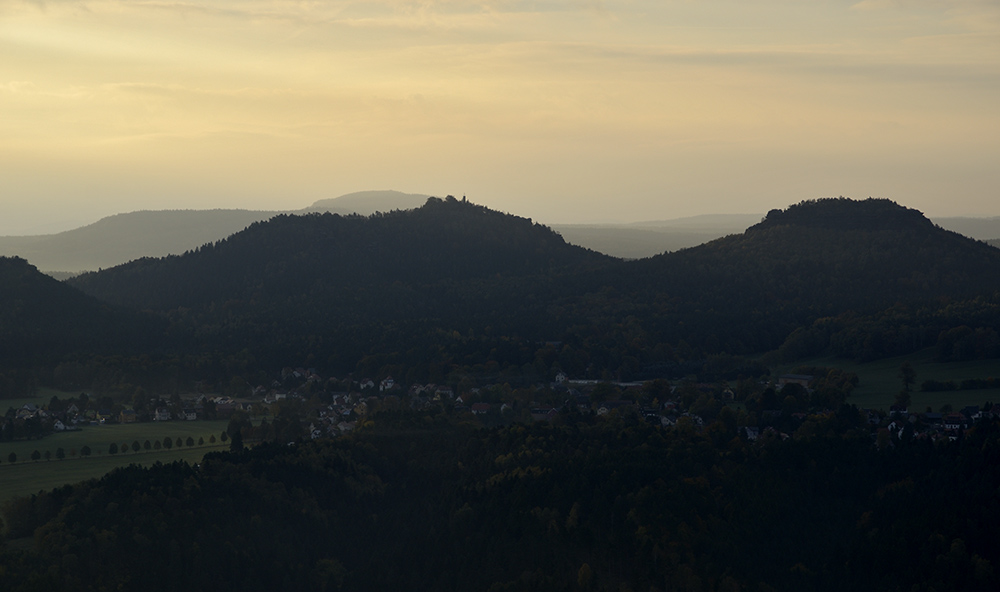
column 841, row 213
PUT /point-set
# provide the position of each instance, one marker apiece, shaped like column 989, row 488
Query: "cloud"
column 18, row 86
column 296, row 92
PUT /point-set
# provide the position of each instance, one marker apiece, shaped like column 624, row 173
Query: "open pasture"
column 879, row 381
column 27, row 476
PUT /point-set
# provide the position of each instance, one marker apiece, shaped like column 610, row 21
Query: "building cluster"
column 328, row 406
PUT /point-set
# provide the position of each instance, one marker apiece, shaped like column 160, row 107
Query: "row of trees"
column 114, row 448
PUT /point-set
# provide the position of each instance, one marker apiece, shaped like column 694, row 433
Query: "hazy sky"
column 564, row 111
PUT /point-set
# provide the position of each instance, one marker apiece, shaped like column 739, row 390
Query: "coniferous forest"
column 418, row 502
column 545, row 417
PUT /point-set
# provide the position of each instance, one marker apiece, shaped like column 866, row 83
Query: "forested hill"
column 41, row 318
column 589, row 504
column 320, row 257
column 459, row 278
column 831, row 255
column 847, row 215
column 818, row 259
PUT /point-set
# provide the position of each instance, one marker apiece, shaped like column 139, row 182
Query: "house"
column 481, row 408
column 386, row 384
column 189, row 415
column 955, row 421
column 315, row 432
column 161, row 414
column 128, row 416
column 896, row 427
column 103, row 415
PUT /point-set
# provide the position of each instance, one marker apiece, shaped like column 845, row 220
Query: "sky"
column 559, row 110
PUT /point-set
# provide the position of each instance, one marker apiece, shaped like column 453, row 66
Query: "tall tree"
column 908, row 375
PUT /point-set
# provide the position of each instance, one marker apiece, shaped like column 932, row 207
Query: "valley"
column 470, row 398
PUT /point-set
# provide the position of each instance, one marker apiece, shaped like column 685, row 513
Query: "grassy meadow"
column 26, row 476
column 879, row 381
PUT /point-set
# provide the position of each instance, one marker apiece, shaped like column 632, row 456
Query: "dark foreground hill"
column 413, row 503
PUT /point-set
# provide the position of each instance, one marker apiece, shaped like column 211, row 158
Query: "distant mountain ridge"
column 367, row 203
column 123, row 237
column 977, row 228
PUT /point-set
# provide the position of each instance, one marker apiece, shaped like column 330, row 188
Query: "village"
column 311, row 406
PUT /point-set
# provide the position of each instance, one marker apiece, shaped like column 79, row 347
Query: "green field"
column 879, row 381
column 27, row 476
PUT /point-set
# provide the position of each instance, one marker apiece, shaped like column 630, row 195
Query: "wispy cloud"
column 419, row 90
